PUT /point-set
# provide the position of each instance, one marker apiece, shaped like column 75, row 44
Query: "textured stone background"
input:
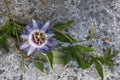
column 105, row 14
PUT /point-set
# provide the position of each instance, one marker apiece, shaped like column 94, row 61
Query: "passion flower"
column 37, row 38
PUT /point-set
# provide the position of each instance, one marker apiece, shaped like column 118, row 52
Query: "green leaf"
column 62, row 36
column 75, row 52
column 1, row 32
column 79, row 48
column 50, row 57
column 81, row 61
column 58, row 57
column 11, row 29
column 99, row 69
column 80, row 58
column 103, row 60
column 89, row 63
column 67, row 58
column 70, row 38
column 15, row 32
column 107, row 52
column 83, row 49
column 67, row 53
column 62, row 26
column 38, row 63
column 7, row 28
column 107, row 59
column 42, row 57
column 4, row 42
column 115, row 52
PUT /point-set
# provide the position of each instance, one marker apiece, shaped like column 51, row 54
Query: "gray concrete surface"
column 105, row 14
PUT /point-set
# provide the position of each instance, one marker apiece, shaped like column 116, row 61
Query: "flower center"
column 38, row 38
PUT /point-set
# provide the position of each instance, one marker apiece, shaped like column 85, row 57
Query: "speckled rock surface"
column 105, row 14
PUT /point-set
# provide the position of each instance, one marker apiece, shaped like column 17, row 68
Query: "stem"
column 8, row 10
column 23, row 66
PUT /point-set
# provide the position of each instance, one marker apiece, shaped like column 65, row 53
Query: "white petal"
column 35, row 24
column 50, row 35
column 30, row 50
column 23, row 46
column 28, row 28
column 25, row 37
column 45, row 26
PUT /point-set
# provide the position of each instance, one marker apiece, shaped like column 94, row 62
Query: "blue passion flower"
column 37, row 38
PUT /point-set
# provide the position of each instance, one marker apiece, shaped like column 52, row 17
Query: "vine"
column 40, row 38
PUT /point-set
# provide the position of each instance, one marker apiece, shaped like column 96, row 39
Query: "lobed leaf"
column 58, row 57
column 62, row 26
column 105, row 61
column 38, row 63
column 15, row 31
column 11, row 29
column 107, row 52
column 83, row 49
column 81, row 61
column 75, row 52
column 7, row 28
column 99, row 69
column 79, row 58
column 62, row 36
column 67, row 53
column 67, row 58
column 50, row 57
column 114, row 53
column 4, row 42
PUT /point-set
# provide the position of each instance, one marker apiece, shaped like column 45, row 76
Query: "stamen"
column 38, row 38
